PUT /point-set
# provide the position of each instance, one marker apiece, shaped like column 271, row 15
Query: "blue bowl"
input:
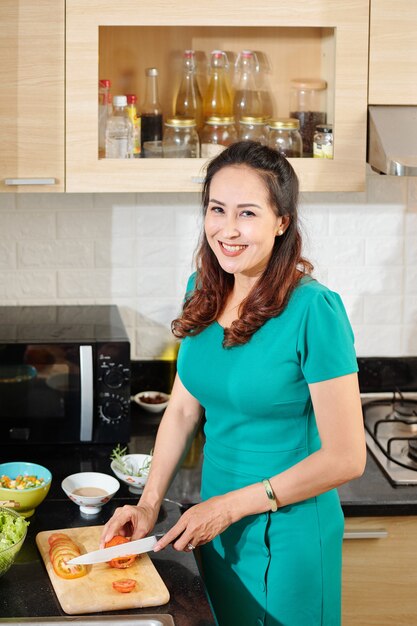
column 27, row 499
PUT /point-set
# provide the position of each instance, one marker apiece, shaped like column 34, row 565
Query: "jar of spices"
column 285, row 137
column 323, row 142
column 254, row 129
column 308, row 104
column 217, row 134
column 181, row 138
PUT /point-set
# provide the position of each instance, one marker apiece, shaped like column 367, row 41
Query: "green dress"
column 283, row 568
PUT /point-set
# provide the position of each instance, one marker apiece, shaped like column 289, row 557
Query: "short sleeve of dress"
column 326, row 341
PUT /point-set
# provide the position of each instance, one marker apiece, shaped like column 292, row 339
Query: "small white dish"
column 77, row 486
column 138, row 464
column 152, row 401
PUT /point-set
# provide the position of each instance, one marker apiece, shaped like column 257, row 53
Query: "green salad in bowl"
column 13, row 528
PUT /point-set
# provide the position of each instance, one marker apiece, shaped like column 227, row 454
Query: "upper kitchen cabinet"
column 32, row 95
column 293, row 39
column 393, row 52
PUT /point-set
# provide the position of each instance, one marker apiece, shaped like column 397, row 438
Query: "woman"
column 268, row 352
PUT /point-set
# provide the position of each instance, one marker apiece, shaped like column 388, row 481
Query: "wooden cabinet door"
column 119, row 39
column 393, row 52
column 32, row 95
column 380, row 572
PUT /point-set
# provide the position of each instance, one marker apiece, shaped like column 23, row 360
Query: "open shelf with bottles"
column 119, row 40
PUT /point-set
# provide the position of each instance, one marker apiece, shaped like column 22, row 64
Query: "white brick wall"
column 135, row 250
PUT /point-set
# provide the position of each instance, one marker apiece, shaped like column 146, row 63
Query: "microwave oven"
column 64, row 375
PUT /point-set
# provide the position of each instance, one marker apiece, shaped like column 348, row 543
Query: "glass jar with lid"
column 181, row 138
column 308, row 103
column 285, row 137
column 323, row 142
column 254, row 129
column 218, row 133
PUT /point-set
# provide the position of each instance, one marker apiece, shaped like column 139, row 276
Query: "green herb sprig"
column 125, row 466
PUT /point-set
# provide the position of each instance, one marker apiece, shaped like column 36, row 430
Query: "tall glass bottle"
column 119, row 131
column 151, row 110
column 247, row 100
column 218, row 99
column 188, row 101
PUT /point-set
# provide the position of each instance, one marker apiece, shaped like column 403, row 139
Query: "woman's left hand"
column 198, row 525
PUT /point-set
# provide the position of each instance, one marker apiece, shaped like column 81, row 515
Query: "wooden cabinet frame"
column 342, row 30
column 32, row 44
column 393, row 52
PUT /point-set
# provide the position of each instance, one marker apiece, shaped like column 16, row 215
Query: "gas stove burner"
column 391, row 435
column 404, row 409
column 398, row 407
column 412, row 449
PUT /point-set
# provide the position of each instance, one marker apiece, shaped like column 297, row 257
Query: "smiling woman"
column 268, row 352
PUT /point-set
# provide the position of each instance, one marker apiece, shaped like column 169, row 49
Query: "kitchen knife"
column 125, row 549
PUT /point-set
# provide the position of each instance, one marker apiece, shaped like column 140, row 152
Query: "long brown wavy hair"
column 286, row 266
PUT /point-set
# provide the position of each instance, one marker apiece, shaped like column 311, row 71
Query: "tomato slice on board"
column 62, row 569
column 125, row 585
column 58, row 540
column 123, row 561
column 58, row 536
column 70, row 552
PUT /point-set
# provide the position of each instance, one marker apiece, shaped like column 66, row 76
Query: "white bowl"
column 139, row 464
column 90, row 481
column 152, row 407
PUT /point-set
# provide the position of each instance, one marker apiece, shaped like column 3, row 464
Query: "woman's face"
column 240, row 223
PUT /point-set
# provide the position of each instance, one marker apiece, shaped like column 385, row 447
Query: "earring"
column 280, row 232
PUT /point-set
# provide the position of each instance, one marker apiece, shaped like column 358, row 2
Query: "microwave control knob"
column 113, row 409
column 115, row 377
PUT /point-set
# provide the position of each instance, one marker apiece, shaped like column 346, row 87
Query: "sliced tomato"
column 63, row 550
column 72, row 551
column 62, row 540
column 124, row 585
column 61, row 544
column 121, row 562
column 58, row 536
column 62, row 569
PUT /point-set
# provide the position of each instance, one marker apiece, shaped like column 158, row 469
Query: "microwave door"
column 87, row 393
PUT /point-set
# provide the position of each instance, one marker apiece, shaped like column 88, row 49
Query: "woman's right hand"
column 129, row 521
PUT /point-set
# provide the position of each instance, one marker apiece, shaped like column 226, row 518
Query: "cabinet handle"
column 197, row 179
column 377, row 533
column 30, row 181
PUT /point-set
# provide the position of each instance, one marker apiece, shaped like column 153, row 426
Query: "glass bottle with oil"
column 218, row 100
column 188, row 102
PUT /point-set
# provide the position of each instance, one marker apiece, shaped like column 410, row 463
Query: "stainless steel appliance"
column 391, row 436
column 64, row 375
column 389, row 404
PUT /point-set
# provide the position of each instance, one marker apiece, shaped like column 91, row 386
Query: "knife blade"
column 139, row 546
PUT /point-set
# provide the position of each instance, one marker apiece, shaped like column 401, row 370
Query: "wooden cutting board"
column 94, row 592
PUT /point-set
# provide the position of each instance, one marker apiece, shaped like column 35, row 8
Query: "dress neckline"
column 303, row 279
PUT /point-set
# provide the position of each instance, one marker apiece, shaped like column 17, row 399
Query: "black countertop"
column 26, row 591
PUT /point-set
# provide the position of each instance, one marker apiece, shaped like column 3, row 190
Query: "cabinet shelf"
column 293, row 39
